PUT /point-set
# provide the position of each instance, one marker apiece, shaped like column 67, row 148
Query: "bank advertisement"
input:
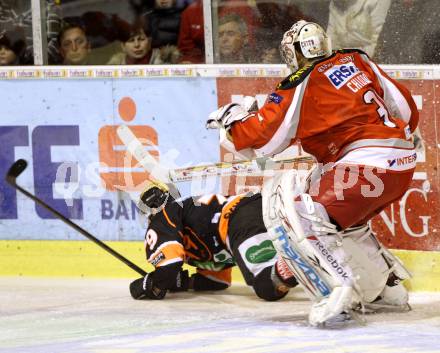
column 66, row 130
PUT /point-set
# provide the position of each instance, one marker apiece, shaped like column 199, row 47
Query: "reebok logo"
column 329, row 258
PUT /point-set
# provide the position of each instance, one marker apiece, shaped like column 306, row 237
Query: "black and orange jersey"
column 188, row 231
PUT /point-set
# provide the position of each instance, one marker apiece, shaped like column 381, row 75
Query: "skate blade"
column 342, row 320
column 387, row 308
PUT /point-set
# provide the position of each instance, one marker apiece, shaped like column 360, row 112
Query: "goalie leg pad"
column 366, row 261
column 310, row 245
column 373, row 265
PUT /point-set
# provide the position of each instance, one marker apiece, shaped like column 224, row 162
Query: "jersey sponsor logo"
column 223, row 256
column 403, row 160
column 324, row 67
column 275, row 98
column 260, row 253
column 308, row 270
column 346, row 59
column 328, row 257
column 339, row 75
column 159, row 257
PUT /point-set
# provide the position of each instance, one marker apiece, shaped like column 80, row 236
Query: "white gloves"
column 225, row 116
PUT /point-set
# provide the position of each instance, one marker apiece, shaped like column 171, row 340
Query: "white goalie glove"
column 225, row 116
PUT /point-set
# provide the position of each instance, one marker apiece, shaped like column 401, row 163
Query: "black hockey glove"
column 182, row 282
column 202, row 283
column 143, row 288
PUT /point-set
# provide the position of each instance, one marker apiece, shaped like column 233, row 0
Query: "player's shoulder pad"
column 296, row 78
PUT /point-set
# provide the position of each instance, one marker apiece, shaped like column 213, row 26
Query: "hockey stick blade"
column 251, row 167
column 17, row 168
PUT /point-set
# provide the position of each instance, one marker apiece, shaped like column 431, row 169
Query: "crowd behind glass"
column 100, row 32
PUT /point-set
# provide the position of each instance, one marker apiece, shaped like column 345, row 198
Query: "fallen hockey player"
column 212, row 233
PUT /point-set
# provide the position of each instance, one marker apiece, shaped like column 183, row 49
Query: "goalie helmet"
column 307, row 38
column 154, row 197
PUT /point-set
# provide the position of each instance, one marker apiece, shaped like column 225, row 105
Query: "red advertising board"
column 413, row 223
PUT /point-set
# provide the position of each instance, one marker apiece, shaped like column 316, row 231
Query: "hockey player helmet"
column 154, row 197
column 307, row 38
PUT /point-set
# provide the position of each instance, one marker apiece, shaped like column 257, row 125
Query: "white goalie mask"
column 308, row 38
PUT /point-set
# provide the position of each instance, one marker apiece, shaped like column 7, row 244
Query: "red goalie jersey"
column 336, row 105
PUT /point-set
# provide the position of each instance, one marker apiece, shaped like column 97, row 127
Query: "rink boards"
column 51, row 115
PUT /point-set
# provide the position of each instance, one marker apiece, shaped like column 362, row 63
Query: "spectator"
column 357, row 23
column 18, row 14
column 136, row 48
column 74, row 45
column 141, row 7
column 246, row 12
column 233, row 39
column 191, row 40
column 164, row 20
column 102, row 31
column 12, row 45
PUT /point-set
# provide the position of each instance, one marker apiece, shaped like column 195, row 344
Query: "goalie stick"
column 11, row 177
column 243, row 167
column 252, row 167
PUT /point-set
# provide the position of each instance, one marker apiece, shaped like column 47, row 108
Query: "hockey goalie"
column 358, row 123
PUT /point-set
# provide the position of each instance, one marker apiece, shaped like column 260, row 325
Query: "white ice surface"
column 99, row 316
